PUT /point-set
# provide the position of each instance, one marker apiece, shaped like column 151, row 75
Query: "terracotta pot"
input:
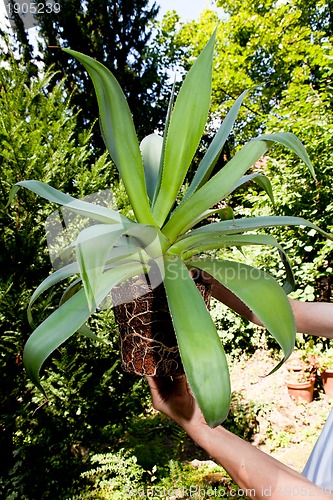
column 301, row 390
column 327, row 380
column 148, row 344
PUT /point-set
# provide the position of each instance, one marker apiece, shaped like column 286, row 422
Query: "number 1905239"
column 32, row 8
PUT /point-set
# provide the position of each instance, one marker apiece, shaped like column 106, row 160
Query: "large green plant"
column 164, row 235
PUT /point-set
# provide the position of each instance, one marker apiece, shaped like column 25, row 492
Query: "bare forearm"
column 257, row 474
column 314, row 318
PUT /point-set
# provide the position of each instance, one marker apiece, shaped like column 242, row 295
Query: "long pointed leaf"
column 151, row 149
column 66, row 320
column 86, row 332
column 165, row 134
column 199, row 345
column 219, row 186
column 71, row 290
column 217, row 239
column 292, row 142
column 223, row 214
column 51, row 280
column 95, row 212
column 216, row 189
column 261, row 293
column 289, row 284
column 119, row 134
column 262, row 182
column 187, row 124
column 227, row 212
column 93, row 248
column 195, row 245
column 215, row 148
column 50, row 334
column 202, row 243
column 237, row 226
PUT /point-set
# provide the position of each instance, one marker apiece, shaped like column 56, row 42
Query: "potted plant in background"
column 300, row 377
column 325, row 367
column 168, row 240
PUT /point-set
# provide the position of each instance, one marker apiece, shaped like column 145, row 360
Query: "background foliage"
column 119, row 35
column 39, row 140
column 283, row 52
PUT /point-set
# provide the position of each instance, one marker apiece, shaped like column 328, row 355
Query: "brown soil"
column 148, row 344
column 287, row 429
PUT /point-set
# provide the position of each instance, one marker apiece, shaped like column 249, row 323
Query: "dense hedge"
column 44, row 445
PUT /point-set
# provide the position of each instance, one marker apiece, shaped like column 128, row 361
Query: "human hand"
column 172, row 396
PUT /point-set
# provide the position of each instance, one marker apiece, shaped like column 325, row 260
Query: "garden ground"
column 262, row 412
column 287, row 429
column 166, row 460
column 284, row 428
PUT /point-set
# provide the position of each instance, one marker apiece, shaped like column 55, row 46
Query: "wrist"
column 200, row 432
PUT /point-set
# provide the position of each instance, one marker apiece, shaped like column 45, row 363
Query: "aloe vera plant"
column 170, row 232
